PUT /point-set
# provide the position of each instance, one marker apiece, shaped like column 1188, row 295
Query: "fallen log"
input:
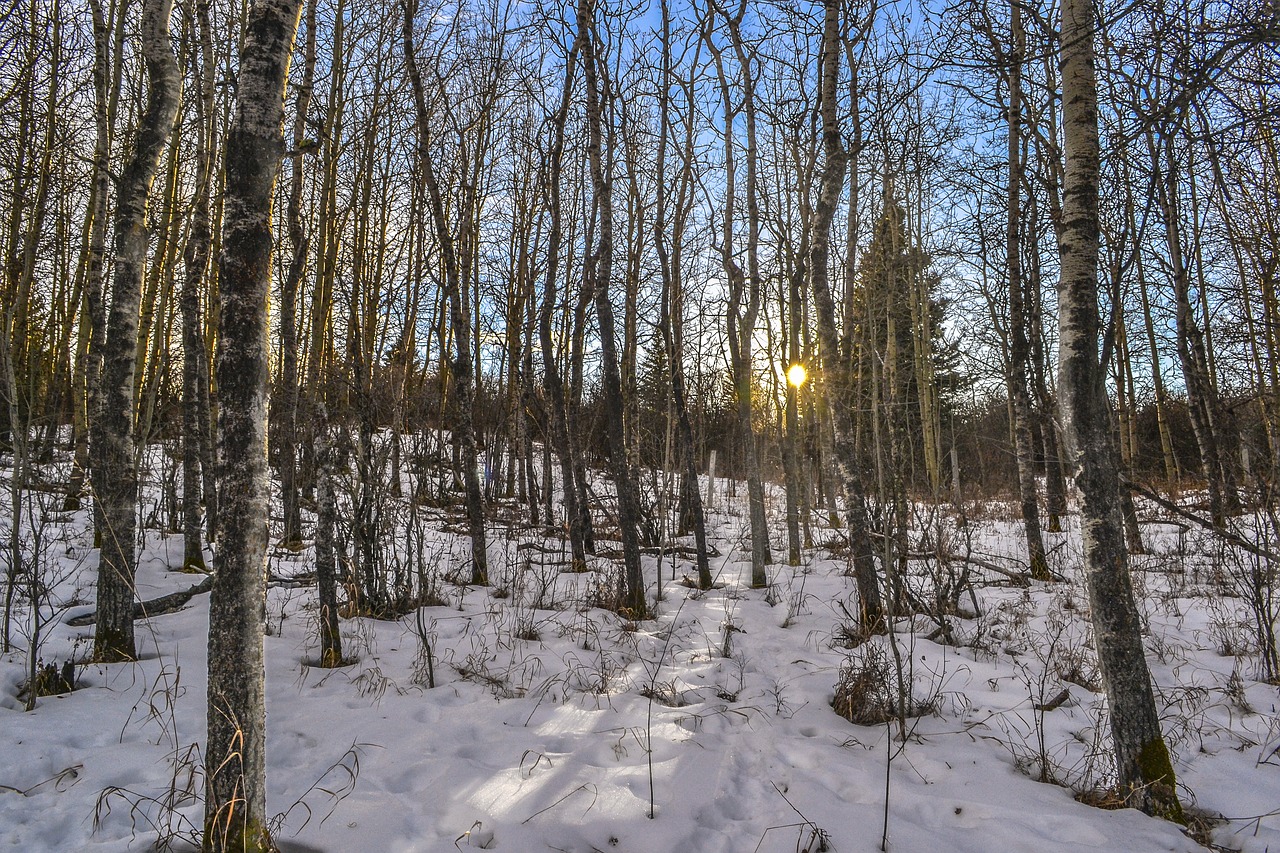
column 679, row 551
column 171, row 603
column 1207, row 524
column 1022, row 578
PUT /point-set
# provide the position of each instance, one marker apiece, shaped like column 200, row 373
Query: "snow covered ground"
column 558, row 726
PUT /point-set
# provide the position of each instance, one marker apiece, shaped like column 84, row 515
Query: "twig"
column 583, row 787
column 1055, row 703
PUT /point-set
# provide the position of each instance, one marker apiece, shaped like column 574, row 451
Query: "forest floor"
column 555, row 725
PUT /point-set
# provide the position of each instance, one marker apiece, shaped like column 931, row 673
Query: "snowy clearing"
column 557, row 725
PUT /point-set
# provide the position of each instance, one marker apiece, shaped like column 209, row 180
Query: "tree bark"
column 116, row 480
column 1142, row 760
column 235, row 756
column 871, row 607
column 326, row 545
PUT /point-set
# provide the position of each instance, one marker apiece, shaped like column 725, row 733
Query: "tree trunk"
column 235, row 756
column 326, row 545
column 455, row 272
column 599, row 272
column 1203, row 404
column 287, row 419
column 671, row 306
column 871, row 608
column 116, row 480
column 194, row 369
column 1142, row 759
column 573, row 412
column 552, row 380
column 1055, row 491
column 1019, row 348
column 791, row 427
column 89, row 443
column 743, row 287
column 1171, row 472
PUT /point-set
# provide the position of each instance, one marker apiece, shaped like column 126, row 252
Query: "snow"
column 568, row 741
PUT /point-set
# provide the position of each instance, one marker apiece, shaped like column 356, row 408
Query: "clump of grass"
column 864, row 688
column 50, row 680
column 870, row 690
column 665, row 693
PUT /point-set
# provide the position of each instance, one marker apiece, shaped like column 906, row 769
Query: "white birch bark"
column 235, row 790
column 838, row 382
column 1142, row 760
column 116, row 480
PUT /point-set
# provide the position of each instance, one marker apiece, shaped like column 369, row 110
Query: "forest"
column 704, row 425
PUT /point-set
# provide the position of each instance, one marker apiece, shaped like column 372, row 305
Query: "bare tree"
column 235, row 755
column 561, row 435
column 837, row 380
column 195, row 370
column 669, row 238
column 287, row 417
column 598, row 274
column 744, row 297
column 1142, row 759
column 458, row 252
column 1019, row 346
column 116, row 477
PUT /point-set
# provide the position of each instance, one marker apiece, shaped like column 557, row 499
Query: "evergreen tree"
column 903, row 364
column 653, row 388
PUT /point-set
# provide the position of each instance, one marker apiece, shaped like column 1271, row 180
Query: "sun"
column 796, row 375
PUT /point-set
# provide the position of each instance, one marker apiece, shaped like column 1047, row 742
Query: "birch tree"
column 116, row 476
column 1143, row 764
column 235, row 754
column 838, row 384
